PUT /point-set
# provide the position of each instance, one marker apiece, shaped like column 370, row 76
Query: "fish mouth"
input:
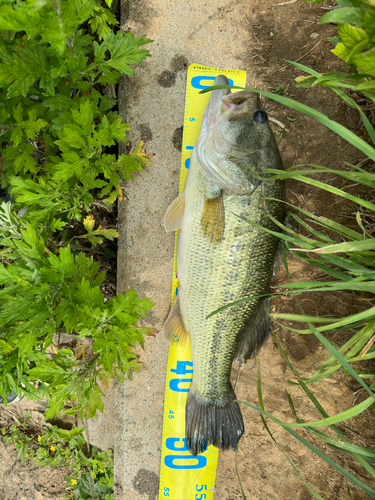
column 236, row 104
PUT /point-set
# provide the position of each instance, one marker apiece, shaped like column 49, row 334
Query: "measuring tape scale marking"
column 182, row 475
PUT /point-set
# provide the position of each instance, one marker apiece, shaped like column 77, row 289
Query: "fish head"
column 236, row 142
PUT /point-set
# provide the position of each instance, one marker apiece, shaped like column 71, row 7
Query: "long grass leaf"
column 340, row 417
column 348, row 246
column 360, row 339
column 238, row 475
column 317, row 405
column 339, row 228
column 343, row 361
column 331, row 189
column 363, row 286
column 344, row 97
column 349, row 320
column 306, row 110
column 357, row 340
column 300, row 317
column 261, row 404
column 313, row 231
column 347, row 447
column 340, row 469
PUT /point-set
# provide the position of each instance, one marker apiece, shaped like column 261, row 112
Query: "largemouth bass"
column 222, row 258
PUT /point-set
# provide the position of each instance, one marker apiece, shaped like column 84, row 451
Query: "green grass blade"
column 343, row 286
column 343, row 361
column 347, row 447
column 339, row 228
column 313, row 231
column 348, row 246
column 331, row 272
column 307, row 243
column 358, row 341
column 345, row 473
column 320, row 117
column 349, row 320
column 302, row 318
column 345, row 97
column 261, row 404
column 340, row 417
column 303, row 68
column 319, row 407
column 238, row 475
column 326, row 187
column 354, row 284
column 364, row 178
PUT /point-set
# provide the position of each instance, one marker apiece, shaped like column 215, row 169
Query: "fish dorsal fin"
column 175, row 214
column 213, row 219
column 255, row 336
column 174, row 326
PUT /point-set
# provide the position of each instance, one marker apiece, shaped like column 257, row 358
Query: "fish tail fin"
column 218, row 423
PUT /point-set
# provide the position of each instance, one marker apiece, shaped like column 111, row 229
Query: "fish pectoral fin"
column 255, row 337
column 213, row 219
column 174, row 326
column 174, row 214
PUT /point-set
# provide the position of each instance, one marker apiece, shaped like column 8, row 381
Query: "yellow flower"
column 121, row 191
column 39, row 438
column 52, row 448
column 101, row 470
column 74, row 482
column 26, row 455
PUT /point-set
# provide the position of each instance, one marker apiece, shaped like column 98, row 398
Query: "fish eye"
column 260, row 116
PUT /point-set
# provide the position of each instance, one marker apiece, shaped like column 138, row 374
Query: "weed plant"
column 92, row 470
column 59, row 63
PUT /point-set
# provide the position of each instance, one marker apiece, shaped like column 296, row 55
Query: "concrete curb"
column 152, row 102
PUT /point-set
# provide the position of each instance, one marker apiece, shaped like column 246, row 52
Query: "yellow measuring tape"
column 183, row 476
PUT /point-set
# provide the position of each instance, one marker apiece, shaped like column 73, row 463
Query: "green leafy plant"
column 355, row 45
column 59, row 63
column 91, row 470
column 61, row 293
column 55, row 109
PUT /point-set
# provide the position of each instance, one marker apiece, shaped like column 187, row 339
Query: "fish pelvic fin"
column 213, row 219
column 254, row 338
column 175, row 214
column 218, row 423
column 174, row 326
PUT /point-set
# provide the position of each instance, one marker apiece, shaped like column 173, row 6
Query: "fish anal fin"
column 218, row 423
column 255, row 336
column 213, row 219
column 174, row 327
column 175, row 214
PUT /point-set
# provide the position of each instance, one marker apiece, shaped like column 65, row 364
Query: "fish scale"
column 237, row 277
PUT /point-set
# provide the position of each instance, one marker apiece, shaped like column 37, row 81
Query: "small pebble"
column 314, row 35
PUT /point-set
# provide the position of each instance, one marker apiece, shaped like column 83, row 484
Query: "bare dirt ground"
column 27, row 480
column 290, row 31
